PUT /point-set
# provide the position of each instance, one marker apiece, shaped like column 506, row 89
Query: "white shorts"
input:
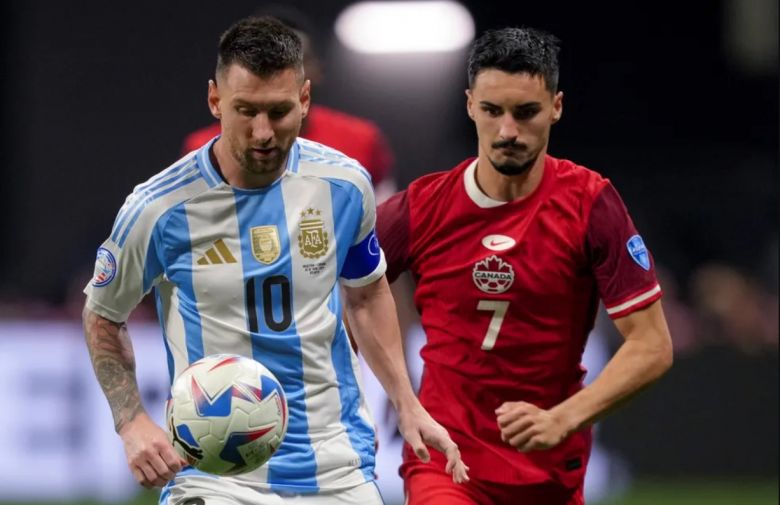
column 229, row 493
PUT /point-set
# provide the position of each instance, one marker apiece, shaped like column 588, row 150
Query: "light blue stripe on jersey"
column 144, row 191
column 161, row 320
column 165, row 494
column 180, row 273
column 293, row 157
column 152, row 270
column 279, row 351
column 343, row 196
column 361, row 435
column 204, row 163
column 186, row 178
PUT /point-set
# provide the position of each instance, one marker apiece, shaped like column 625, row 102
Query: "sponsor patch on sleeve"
column 638, row 251
column 105, row 268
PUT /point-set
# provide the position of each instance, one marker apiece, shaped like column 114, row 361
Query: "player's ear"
column 305, row 97
column 213, row 99
column 557, row 107
column 470, row 104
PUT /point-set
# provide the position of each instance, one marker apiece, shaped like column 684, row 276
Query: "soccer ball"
column 227, row 414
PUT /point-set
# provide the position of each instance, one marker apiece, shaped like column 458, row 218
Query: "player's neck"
column 506, row 188
column 236, row 176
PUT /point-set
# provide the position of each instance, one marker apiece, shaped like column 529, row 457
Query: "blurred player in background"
column 511, row 252
column 247, row 241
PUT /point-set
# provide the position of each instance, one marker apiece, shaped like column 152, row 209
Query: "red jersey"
column 357, row 138
column 508, row 293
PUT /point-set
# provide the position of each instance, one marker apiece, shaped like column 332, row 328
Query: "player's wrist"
column 407, row 404
column 127, row 423
column 567, row 418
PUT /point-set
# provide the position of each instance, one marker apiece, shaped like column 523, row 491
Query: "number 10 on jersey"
column 277, row 303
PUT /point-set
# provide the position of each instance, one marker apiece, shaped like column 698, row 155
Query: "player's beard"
column 510, row 167
column 514, row 168
column 260, row 167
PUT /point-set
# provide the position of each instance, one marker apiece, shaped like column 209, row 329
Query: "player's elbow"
column 85, row 314
column 663, row 356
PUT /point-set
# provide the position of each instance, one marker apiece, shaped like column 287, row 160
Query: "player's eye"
column 246, row 111
column 278, row 113
column 526, row 113
column 492, row 111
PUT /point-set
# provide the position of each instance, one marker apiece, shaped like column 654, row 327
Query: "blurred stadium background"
column 676, row 102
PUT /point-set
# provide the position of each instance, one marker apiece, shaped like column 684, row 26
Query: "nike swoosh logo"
column 498, row 242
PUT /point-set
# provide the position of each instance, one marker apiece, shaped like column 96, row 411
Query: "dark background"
column 97, row 97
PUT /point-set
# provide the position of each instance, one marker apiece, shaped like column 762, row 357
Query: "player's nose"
column 508, row 128
column 261, row 128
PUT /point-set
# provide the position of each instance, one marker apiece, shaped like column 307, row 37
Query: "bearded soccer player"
column 512, row 252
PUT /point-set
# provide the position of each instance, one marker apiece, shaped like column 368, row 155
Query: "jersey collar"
column 476, row 194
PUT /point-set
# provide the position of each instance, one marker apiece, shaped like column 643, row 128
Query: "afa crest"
column 265, row 244
column 313, row 239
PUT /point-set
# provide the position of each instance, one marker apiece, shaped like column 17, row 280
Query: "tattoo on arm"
column 112, row 358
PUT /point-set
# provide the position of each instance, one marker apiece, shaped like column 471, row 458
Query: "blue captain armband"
column 363, row 259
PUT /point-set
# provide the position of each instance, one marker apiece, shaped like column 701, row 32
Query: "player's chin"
column 261, row 168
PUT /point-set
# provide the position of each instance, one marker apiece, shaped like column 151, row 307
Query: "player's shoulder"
column 319, row 160
column 569, row 174
column 438, row 185
column 151, row 199
column 184, row 172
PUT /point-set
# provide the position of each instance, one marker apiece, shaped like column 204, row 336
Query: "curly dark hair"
column 263, row 45
column 516, row 50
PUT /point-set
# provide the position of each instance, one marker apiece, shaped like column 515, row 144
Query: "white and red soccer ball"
column 227, row 414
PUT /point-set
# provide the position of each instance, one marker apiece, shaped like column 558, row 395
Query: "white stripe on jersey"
column 212, row 217
column 314, row 321
column 348, row 173
column 173, row 326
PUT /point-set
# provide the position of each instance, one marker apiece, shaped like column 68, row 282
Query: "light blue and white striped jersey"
column 256, row 273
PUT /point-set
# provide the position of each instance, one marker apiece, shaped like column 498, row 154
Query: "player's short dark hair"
column 516, row 50
column 262, row 45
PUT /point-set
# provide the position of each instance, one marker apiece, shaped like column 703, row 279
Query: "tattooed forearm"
column 112, row 357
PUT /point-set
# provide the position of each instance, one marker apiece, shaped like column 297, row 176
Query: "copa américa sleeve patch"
column 105, row 268
column 638, row 251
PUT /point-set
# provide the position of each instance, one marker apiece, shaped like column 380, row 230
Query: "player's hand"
column 150, row 455
column 419, row 429
column 526, row 427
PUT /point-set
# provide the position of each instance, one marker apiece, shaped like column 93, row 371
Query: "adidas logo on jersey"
column 217, row 254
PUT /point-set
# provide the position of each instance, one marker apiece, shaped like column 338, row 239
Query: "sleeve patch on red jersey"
column 638, row 251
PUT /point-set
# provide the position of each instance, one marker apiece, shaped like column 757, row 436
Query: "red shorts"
column 429, row 485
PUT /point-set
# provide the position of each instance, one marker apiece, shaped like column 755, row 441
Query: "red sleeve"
column 621, row 263
column 393, row 232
